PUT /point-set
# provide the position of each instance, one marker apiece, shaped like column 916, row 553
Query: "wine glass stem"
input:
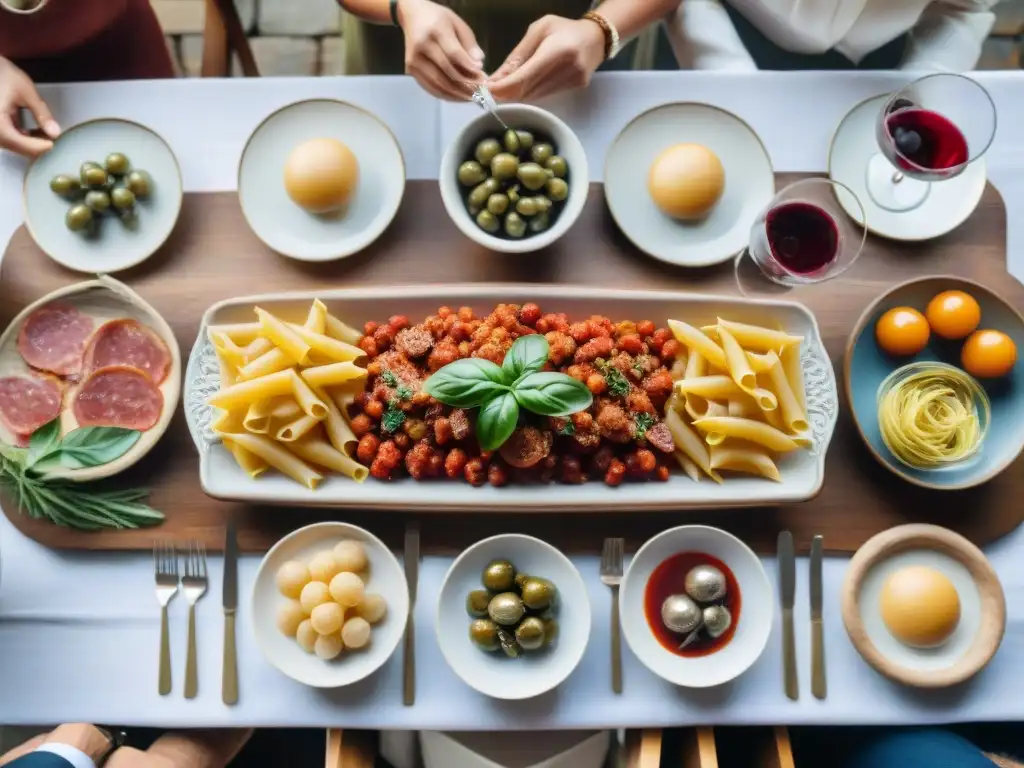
column 897, row 177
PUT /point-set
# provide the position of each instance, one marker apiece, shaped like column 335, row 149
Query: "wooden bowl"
column 983, row 606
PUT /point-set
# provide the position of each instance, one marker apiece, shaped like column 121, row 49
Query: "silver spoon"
column 483, row 99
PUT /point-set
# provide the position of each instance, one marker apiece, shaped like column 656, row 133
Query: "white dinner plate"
column 112, row 246
column 286, row 227
column 749, row 183
column 948, row 204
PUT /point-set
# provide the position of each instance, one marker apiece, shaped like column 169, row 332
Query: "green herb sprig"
column 500, row 392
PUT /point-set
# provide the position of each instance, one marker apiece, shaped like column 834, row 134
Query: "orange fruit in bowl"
column 988, row 354
column 953, row 314
column 902, row 331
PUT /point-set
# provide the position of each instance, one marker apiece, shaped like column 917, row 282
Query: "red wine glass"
column 803, row 237
column 928, row 131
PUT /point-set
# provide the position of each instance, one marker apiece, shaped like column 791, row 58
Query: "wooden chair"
column 222, row 36
column 350, row 749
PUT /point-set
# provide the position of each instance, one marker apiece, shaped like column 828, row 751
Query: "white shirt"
column 76, row 757
column 945, row 35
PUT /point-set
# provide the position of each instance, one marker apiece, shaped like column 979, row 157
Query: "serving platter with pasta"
column 311, row 399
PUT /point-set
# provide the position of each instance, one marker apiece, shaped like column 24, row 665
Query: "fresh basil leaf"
column 552, row 394
column 43, row 441
column 496, row 421
column 93, row 446
column 466, row 383
column 526, row 355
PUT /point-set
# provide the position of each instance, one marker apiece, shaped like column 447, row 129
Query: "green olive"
column 117, row 164
column 525, row 140
column 550, row 631
column 478, row 197
column 557, row 189
column 485, row 151
column 78, row 218
column 507, row 608
column 477, row 602
column 543, row 204
column 511, row 141
column 532, row 176
column 483, row 633
column 139, row 183
column 527, row 206
column 538, row 594
column 499, row 576
column 513, row 194
column 540, row 222
column 97, row 200
column 504, row 166
column 530, row 634
column 471, row 173
column 520, row 580
column 557, row 165
column 541, row 152
column 93, row 176
column 487, row 221
column 515, row 226
column 122, row 198
column 65, row 186
column 508, row 643
column 497, row 203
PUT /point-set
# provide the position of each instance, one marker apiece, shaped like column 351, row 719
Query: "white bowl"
column 754, row 624
column 532, row 674
column 386, row 579
column 520, row 117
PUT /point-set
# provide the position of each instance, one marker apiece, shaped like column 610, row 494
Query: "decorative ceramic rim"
column 151, row 436
column 22, row 12
column 858, row 329
column 981, row 162
column 645, row 113
column 681, row 531
column 907, row 537
column 202, row 373
column 300, row 102
column 566, row 219
column 330, row 528
column 72, row 129
column 558, row 555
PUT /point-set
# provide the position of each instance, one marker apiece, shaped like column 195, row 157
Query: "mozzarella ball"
column 372, row 608
column 323, row 567
column 289, row 617
column 327, row 618
column 313, row 594
column 306, row 636
column 328, row 647
column 347, row 589
column 291, row 578
column 350, row 556
column 356, row 633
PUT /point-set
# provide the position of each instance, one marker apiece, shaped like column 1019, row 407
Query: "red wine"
column 926, row 139
column 803, row 238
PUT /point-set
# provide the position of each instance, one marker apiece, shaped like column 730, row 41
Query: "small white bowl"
column 521, row 117
column 753, row 626
column 533, row 673
column 386, row 579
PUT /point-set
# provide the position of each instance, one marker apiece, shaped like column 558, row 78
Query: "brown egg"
column 321, row 175
column 920, row 606
column 686, row 181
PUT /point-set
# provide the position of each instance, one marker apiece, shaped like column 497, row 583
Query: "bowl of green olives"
column 516, row 189
column 513, row 617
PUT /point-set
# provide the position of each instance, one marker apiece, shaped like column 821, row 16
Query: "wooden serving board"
column 213, row 255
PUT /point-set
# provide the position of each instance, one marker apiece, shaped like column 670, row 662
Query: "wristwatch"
column 116, row 738
column 612, row 43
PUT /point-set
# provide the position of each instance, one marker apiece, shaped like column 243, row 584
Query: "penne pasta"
column 686, row 464
column 745, row 460
column 757, row 338
column 307, row 400
column 250, row 463
column 228, row 421
column 759, row 363
column 284, row 337
column 678, row 370
column 743, row 375
column 257, row 418
column 790, row 357
column 793, row 415
column 277, row 457
column 245, row 393
column 273, row 361
column 690, row 443
column 316, row 451
column 316, row 320
column 338, row 430
column 744, row 407
column 748, row 429
column 696, row 341
column 285, row 409
column 331, row 349
column 227, row 371
column 240, row 333
column 333, row 374
column 336, row 329
column 293, row 430
column 711, row 387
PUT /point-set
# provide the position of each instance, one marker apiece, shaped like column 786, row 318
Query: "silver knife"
column 411, row 556
column 229, row 684
column 818, row 685
column 787, row 593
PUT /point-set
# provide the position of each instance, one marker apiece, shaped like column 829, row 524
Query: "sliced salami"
column 53, row 338
column 29, row 402
column 118, row 396
column 128, row 342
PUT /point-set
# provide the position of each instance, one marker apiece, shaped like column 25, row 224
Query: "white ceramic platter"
column 282, row 224
column 102, row 299
column 948, row 205
column 749, row 183
column 533, row 673
column 802, row 471
column 113, row 246
column 386, row 578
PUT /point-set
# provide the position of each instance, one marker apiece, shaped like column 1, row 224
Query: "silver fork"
column 611, row 576
column 165, row 563
column 194, row 586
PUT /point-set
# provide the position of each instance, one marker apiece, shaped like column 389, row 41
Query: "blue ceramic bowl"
column 866, row 365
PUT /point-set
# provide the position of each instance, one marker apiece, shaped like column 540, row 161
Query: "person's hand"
column 17, row 91
column 556, row 54
column 440, row 49
column 86, row 738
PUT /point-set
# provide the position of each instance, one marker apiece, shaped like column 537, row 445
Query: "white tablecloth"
column 79, row 632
